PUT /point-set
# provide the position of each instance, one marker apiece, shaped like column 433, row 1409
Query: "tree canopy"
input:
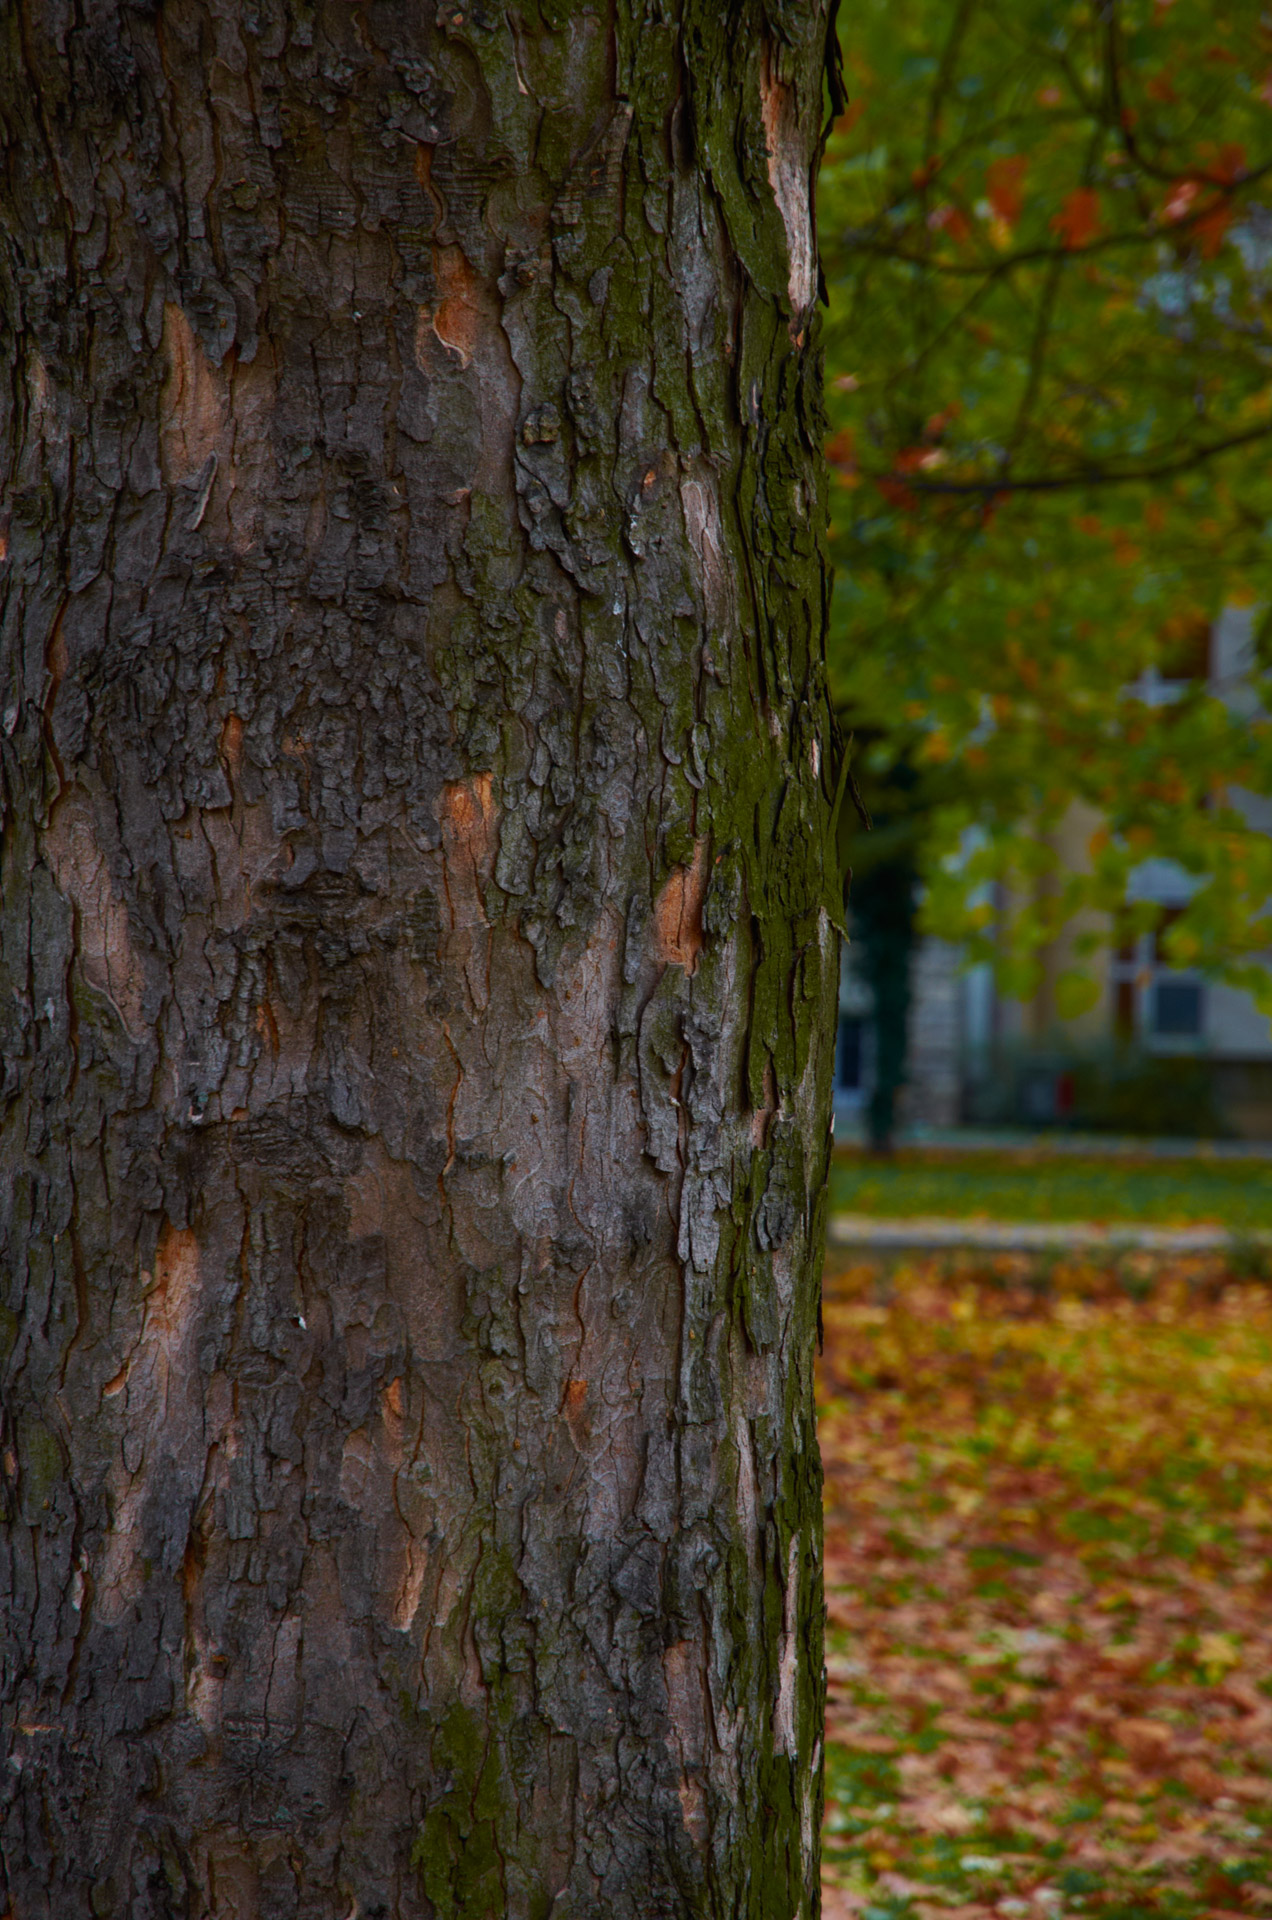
column 1047, row 241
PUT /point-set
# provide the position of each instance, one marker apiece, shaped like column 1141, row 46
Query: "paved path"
column 1055, row 1141
column 926, row 1233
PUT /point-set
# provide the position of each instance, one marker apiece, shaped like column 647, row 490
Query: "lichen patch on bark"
column 788, row 1662
column 789, row 169
column 702, row 519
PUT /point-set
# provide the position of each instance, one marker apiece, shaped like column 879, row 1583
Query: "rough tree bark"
column 418, row 967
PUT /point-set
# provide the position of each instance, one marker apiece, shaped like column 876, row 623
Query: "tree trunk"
column 418, row 978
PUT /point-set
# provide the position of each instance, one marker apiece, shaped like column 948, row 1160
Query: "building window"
column 1151, row 999
column 1177, row 1009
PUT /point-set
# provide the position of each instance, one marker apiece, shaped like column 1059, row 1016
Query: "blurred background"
column 1046, row 235
column 1046, row 1386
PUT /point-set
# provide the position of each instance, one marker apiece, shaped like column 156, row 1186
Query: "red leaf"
column 1230, row 164
column 1004, row 185
column 1078, row 221
column 951, row 220
column 897, row 494
column 840, row 450
column 1212, row 226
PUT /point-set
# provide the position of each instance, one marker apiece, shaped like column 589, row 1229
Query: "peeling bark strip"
column 417, row 977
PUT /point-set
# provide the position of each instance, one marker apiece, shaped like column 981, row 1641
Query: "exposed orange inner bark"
column 678, row 933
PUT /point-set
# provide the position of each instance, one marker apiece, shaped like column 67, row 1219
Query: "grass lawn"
column 1049, row 1589
column 1022, row 1186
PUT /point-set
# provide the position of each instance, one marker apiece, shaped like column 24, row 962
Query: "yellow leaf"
column 1218, row 1650
column 1076, row 993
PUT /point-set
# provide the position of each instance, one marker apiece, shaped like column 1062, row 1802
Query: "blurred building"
column 1163, row 1050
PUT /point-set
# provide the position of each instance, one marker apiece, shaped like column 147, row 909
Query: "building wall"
column 933, row 1093
column 964, row 1035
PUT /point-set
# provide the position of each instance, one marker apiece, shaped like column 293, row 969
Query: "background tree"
column 1048, row 239
column 883, row 927
column 418, row 971
column 885, row 841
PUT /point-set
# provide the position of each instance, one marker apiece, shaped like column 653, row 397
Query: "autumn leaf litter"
column 1048, row 1576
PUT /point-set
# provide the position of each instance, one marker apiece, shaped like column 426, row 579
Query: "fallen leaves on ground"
column 1048, row 1582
